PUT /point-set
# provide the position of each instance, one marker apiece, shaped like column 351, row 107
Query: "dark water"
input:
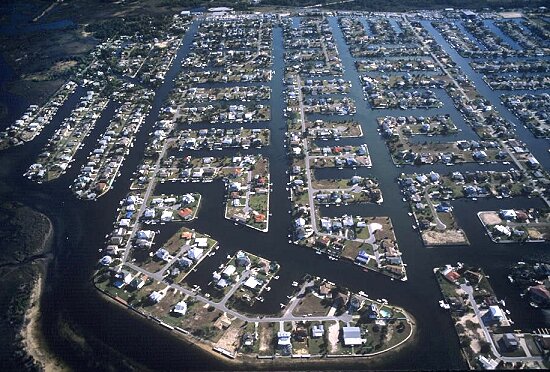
column 20, row 16
column 11, row 105
column 81, row 227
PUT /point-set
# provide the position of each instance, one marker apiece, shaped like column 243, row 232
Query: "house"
column 444, row 208
column 521, row 216
column 352, row 336
column 167, row 215
column 248, row 339
column 341, row 299
column 372, row 311
column 283, row 338
column 185, row 262
column 479, row 155
column 362, row 258
column 195, row 253
column 222, row 283
column 201, row 242
column 299, row 222
column 242, row 259
column 122, row 278
column 185, row 213
column 323, row 242
column 259, row 217
column 473, row 277
column 495, row 313
column 228, row 271
column 187, row 199
column 162, row 254
column 532, row 162
column 251, row 283
column 180, row 308
column 149, row 213
column 325, row 290
column 156, row 296
column 509, row 342
column 488, row 363
column 106, row 260
column 456, row 304
column 543, row 342
column 223, row 322
column 507, row 214
column 317, row 331
column 451, row 276
column 539, row 295
column 137, row 283
column 186, row 235
column 354, row 304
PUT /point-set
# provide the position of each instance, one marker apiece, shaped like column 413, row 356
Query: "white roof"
column 283, row 338
column 251, row 282
column 180, row 308
column 229, row 270
column 352, row 336
column 156, row 296
column 195, row 253
column 201, row 242
column 167, row 215
column 220, row 9
column 496, row 312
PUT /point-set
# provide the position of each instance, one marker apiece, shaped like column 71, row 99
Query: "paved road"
column 310, row 188
column 465, row 96
column 439, row 224
column 441, row 65
column 287, row 317
column 522, row 168
column 469, row 291
column 148, row 191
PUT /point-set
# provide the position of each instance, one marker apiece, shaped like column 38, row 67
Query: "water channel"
column 81, row 227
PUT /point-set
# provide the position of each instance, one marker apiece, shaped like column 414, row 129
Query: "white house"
column 180, row 308
column 352, row 336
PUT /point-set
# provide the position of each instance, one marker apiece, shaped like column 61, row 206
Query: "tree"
column 465, row 342
column 484, row 347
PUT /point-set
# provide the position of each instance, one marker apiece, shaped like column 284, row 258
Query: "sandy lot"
column 474, row 335
column 265, row 336
column 511, row 14
column 333, row 333
column 444, row 237
column 231, row 339
column 490, row 218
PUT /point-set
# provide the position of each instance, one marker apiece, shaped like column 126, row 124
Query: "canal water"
column 81, row 228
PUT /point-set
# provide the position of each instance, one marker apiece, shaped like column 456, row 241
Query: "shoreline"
column 32, row 341
column 264, row 363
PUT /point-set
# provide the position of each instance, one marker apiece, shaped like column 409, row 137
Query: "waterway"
column 81, row 226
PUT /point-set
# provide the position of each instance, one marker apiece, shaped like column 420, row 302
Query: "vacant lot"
column 311, row 305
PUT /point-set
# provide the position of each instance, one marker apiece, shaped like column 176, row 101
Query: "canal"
column 81, row 228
